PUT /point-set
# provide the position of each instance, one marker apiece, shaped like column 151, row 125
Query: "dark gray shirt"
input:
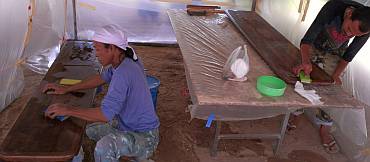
column 325, row 33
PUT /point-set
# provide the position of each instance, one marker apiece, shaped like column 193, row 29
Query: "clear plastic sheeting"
column 206, row 43
column 354, row 81
column 142, row 20
column 31, row 33
column 13, row 29
column 47, row 32
column 351, row 131
column 41, row 63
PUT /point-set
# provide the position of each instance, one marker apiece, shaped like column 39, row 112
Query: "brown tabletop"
column 36, row 138
column 277, row 51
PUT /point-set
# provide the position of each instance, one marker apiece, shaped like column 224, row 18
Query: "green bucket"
column 270, row 86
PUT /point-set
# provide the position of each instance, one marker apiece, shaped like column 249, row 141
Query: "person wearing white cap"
column 127, row 124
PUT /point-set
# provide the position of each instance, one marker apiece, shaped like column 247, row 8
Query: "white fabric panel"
column 13, row 28
column 142, row 20
column 283, row 16
column 46, row 35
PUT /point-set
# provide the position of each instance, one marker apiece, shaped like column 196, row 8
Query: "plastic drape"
column 206, row 43
column 48, row 23
column 13, row 29
column 350, row 125
column 31, row 33
column 355, row 80
column 142, row 20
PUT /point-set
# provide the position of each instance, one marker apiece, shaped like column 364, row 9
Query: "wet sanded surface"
column 34, row 137
column 273, row 47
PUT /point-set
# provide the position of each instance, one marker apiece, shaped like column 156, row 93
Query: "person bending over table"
column 326, row 44
column 126, row 121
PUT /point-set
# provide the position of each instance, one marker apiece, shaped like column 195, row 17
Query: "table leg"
column 253, row 5
column 216, row 139
column 282, row 133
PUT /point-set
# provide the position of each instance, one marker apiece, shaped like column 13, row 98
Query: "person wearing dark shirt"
column 327, row 44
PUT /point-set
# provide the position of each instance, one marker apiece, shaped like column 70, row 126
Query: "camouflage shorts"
column 322, row 118
column 327, row 61
column 113, row 143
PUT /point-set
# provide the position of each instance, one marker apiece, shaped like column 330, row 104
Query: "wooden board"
column 273, row 47
column 37, row 138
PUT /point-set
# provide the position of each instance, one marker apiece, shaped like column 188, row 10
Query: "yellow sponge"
column 69, row 81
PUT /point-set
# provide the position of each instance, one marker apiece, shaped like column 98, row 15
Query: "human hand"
column 52, row 88
column 57, row 109
column 337, row 80
column 306, row 67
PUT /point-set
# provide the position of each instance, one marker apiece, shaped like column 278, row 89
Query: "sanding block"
column 60, row 117
column 304, row 78
column 69, row 81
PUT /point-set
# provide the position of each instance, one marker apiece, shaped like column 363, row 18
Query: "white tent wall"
column 142, row 20
column 34, row 46
column 47, row 33
column 350, row 125
column 13, row 29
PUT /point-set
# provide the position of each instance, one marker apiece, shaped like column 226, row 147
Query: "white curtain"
column 13, row 29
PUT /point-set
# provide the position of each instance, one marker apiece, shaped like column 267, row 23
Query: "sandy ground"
column 189, row 141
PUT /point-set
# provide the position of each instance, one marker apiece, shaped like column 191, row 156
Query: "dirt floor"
column 189, row 141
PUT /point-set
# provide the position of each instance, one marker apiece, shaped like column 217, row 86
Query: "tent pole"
column 74, row 19
column 254, row 5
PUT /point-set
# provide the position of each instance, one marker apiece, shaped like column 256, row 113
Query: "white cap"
column 111, row 34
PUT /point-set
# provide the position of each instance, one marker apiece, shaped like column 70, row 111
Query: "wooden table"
column 36, row 138
column 206, row 43
column 277, row 51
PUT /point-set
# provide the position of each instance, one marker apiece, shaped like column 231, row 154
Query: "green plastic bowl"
column 270, row 86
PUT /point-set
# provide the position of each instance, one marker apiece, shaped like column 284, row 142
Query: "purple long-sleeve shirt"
column 128, row 97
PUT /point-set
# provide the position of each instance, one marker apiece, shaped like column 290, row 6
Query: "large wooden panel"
column 273, row 47
column 37, row 138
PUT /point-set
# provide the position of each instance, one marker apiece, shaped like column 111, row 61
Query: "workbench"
column 35, row 137
column 206, row 42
